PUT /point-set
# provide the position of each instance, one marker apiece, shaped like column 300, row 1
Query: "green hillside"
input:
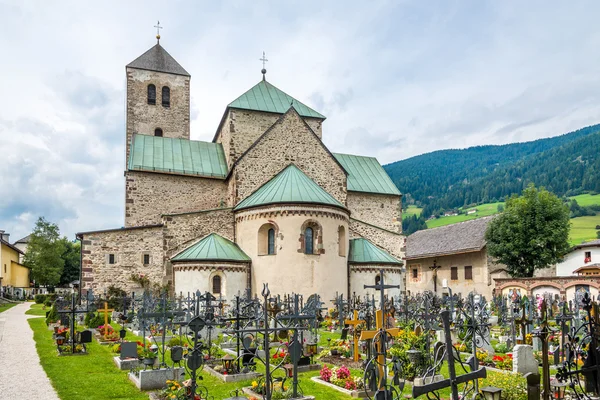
column 582, row 228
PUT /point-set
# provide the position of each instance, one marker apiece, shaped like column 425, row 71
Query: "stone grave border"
column 357, row 394
column 233, row 377
column 248, row 390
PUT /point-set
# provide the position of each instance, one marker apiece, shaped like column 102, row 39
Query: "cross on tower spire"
column 158, row 28
column 264, row 60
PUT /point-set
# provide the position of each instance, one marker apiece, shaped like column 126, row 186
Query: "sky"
column 394, row 78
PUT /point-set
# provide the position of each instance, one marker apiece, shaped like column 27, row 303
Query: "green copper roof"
column 365, row 174
column 289, row 186
column 266, row 97
column 213, row 248
column 178, row 156
column 364, row 252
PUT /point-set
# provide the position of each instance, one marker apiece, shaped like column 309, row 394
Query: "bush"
column 41, row 298
column 52, row 315
column 174, row 341
column 48, row 303
column 95, row 320
column 501, row 348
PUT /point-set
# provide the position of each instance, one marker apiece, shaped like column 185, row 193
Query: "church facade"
column 264, row 202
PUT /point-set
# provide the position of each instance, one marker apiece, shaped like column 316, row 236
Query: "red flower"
column 275, row 355
column 282, row 354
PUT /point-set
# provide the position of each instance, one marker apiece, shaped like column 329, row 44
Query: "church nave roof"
column 213, row 248
column 266, row 97
column 177, row 156
column 291, row 185
column 365, row 174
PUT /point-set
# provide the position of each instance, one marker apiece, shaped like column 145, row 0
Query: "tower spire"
column 264, row 60
column 158, row 28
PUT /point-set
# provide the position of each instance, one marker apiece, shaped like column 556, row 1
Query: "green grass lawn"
column 583, row 229
column 6, row 306
column 483, row 210
column 411, row 210
column 585, row 200
column 37, row 309
column 82, row 377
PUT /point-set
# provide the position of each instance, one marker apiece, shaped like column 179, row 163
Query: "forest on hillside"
column 448, row 179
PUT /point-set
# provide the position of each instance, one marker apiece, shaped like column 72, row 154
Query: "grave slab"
column 232, row 377
column 126, row 364
column 523, row 360
column 156, row 378
column 356, row 394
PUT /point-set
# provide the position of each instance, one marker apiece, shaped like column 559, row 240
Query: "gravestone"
column 537, row 344
column 523, row 360
column 440, row 337
column 128, row 350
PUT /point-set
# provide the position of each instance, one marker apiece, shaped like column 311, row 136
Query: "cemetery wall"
column 392, row 242
column 241, row 128
column 128, row 247
column 424, row 275
column 183, row 230
column 361, row 275
column 380, row 210
column 149, row 195
column 564, row 286
column 289, row 269
column 143, row 118
column 193, row 276
column 289, row 141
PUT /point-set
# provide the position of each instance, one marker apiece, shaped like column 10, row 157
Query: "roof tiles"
column 158, row 59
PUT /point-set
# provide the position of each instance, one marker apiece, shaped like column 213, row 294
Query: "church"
column 264, row 202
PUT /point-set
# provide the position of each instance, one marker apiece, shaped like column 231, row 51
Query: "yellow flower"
column 254, row 384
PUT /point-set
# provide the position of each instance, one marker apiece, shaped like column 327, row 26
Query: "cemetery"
column 277, row 346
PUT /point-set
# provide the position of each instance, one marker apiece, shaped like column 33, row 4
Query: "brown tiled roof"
column 463, row 237
column 592, row 243
column 585, row 267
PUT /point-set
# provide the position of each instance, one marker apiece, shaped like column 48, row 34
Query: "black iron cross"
column 453, row 381
column 523, row 321
column 73, row 312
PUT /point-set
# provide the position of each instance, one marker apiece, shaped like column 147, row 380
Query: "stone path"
column 21, row 375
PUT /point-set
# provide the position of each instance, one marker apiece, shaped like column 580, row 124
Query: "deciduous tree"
column 44, row 253
column 531, row 234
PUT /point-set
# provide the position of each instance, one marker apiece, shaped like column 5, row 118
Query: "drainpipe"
column 80, row 237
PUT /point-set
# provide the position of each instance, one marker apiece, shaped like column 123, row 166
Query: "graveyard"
column 278, row 346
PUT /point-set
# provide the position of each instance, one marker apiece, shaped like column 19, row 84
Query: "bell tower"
column 158, row 96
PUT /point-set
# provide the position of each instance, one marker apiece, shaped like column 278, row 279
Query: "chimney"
column 4, row 236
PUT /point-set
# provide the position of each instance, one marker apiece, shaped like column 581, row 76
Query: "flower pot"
column 148, row 361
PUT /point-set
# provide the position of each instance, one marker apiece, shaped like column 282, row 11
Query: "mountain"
column 442, row 180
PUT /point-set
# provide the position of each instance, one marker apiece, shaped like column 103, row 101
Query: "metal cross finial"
column 158, row 28
column 264, row 60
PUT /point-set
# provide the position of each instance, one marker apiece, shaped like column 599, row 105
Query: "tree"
column 500, row 208
column 531, row 234
column 44, row 253
column 71, row 256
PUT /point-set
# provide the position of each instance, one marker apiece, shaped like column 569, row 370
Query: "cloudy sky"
column 394, row 78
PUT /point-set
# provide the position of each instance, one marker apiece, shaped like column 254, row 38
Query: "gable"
column 289, row 140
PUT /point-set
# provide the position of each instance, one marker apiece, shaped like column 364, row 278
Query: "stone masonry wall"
column 289, row 141
column 143, row 118
column 129, row 247
column 149, row 195
column 183, row 230
column 242, row 128
column 377, row 209
column 392, row 242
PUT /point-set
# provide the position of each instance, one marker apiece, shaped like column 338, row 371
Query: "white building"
column 583, row 259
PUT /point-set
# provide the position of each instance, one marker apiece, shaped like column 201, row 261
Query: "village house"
column 14, row 276
column 455, row 255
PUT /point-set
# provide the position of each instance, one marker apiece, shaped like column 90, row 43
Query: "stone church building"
column 264, row 202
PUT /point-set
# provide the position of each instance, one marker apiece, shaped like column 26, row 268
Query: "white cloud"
column 395, row 79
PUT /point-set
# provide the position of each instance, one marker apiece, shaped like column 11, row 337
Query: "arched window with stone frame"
column 267, row 239
column 151, row 94
column 166, row 96
column 342, row 241
column 311, row 238
column 158, row 132
column 216, row 284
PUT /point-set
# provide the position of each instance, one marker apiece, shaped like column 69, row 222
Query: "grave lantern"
column 311, row 349
column 289, row 369
column 414, row 356
column 122, row 333
column 235, row 396
column 227, row 361
column 60, row 340
column 491, row 393
column 558, row 389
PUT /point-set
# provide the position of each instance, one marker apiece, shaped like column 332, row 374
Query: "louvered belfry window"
column 166, row 96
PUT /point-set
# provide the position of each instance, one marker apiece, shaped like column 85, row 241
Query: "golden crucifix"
column 366, row 335
column 105, row 311
column 355, row 322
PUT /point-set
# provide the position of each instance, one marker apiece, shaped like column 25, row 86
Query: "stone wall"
column 392, row 242
column 182, row 230
column 381, row 210
column 193, row 276
column 149, row 195
column 289, row 141
column 361, row 275
column 241, row 128
column 128, row 247
column 143, row 118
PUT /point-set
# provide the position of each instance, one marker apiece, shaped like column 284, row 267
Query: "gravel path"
column 21, row 375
